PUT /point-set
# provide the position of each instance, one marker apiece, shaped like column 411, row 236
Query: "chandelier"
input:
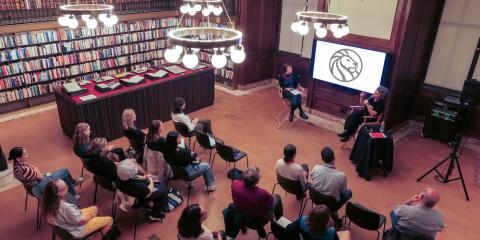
column 88, row 13
column 322, row 21
column 221, row 42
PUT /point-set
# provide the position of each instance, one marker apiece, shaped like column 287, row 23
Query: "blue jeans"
column 61, row 173
column 394, row 218
column 344, row 197
column 195, row 170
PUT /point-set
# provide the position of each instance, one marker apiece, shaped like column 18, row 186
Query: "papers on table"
column 134, row 79
column 157, row 74
column 140, row 70
column 88, row 97
column 295, row 92
column 72, row 87
column 104, row 79
column 175, row 69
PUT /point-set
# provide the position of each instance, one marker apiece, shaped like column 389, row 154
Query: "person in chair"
column 373, row 107
column 291, row 90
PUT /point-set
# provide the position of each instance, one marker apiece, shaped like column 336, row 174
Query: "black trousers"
column 295, row 100
column 353, row 121
column 159, row 198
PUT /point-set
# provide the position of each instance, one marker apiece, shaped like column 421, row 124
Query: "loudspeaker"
column 470, row 92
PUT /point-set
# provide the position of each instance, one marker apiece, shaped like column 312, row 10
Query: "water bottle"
column 382, row 126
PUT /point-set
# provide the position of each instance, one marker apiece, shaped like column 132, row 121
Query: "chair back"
column 154, row 163
column 105, row 183
column 225, row 151
column 28, row 189
column 62, row 233
column 204, row 140
column 320, row 198
column 291, row 186
column 362, row 216
column 182, row 128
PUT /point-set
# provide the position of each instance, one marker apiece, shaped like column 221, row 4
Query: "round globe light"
column 205, row 11
column 184, row 8
column 321, row 32
column 91, row 23
column 102, row 17
column 171, row 55
column 303, row 29
column 217, row 10
column 72, row 23
column 295, row 26
column 114, row 19
column 198, row 7
column 178, row 49
column 210, row 7
column 63, row 21
column 345, row 30
column 190, row 60
column 337, row 33
column 85, row 17
column 317, row 25
column 191, row 10
column 219, row 60
column 237, row 54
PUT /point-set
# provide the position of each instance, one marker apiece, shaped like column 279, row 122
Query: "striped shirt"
column 25, row 173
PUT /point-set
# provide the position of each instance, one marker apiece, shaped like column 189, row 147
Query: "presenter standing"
column 291, row 90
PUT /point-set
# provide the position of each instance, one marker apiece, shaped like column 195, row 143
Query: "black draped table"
column 370, row 152
column 150, row 100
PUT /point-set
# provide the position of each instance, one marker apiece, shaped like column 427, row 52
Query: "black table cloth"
column 368, row 151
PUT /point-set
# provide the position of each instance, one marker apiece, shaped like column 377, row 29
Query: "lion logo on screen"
column 345, row 65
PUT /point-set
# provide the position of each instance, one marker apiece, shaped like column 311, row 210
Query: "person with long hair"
column 287, row 168
column 134, row 133
column 186, row 158
column 154, row 139
column 190, row 225
column 81, row 142
column 135, row 183
column 203, row 125
column 32, row 176
column 78, row 222
column 291, row 90
column 314, row 226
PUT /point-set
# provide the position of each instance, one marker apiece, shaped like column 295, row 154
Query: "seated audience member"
column 201, row 125
column 373, row 107
column 154, row 139
column 30, row 175
column 78, row 222
column 190, row 225
column 290, row 83
column 328, row 180
column 142, row 187
column 287, row 167
column 314, row 226
column 131, row 131
column 101, row 160
column 184, row 157
column 81, row 142
column 418, row 215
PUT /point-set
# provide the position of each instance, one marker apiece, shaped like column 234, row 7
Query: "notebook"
column 175, row 69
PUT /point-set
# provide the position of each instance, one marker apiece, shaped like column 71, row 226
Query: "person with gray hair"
column 417, row 214
column 374, row 106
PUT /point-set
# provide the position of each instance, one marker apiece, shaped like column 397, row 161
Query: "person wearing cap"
column 143, row 188
column 373, row 107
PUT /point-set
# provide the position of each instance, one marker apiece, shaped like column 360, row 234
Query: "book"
column 175, row 69
column 122, row 75
column 135, row 80
column 377, row 135
column 156, row 75
column 88, row 97
column 283, row 222
column 102, row 87
column 73, row 89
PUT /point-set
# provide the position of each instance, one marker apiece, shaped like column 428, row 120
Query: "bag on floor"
column 174, row 199
column 235, row 174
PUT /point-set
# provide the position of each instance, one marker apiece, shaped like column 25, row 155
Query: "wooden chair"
column 367, row 121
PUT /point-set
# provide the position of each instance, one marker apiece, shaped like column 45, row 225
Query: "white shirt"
column 183, row 118
column 69, row 217
column 291, row 171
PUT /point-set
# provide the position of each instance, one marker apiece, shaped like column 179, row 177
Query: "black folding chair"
column 65, row 235
column 364, row 218
column 203, row 140
column 293, row 187
column 28, row 191
column 182, row 128
column 107, row 184
column 228, row 153
column 318, row 198
column 179, row 173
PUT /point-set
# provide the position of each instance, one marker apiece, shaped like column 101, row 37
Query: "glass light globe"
column 219, row 60
column 210, row 7
column 184, row 8
column 63, row 21
column 205, row 11
column 190, row 60
column 337, row 33
column 114, row 19
column 237, row 54
column 171, row 55
column 178, row 49
column 217, row 10
column 295, row 26
column 198, row 7
column 85, row 17
column 191, row 10
column 72, row 23
column 102, row 17
column 321, row 32
column 91, row 23
column 303, row 28
column 345, row 30
column 317, row 25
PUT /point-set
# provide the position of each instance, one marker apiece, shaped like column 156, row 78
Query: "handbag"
column 174, row 199
column 235, row 174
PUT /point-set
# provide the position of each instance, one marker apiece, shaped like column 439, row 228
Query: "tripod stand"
column 452, row 160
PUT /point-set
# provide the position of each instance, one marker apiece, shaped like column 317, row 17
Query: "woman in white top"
column 190, row 225
column 78, row 222
column 202, row 125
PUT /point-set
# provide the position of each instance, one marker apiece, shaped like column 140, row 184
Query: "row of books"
column 29, row 38
column 146, row 56
column 31, row 91
column 38, row 64
column 207, row 56
column 29, row 52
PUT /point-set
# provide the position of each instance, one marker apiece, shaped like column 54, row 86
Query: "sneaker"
column 290, row 118
column 303, row 115
column 157, row 217
column 78, row 181
column 210, row 188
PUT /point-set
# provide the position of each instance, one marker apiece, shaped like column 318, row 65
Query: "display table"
column 150, row 100
column 368, row 151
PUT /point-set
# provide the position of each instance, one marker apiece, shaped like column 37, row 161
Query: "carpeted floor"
column 246, row 122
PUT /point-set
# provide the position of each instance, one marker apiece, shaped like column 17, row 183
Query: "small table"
column 368, row 151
